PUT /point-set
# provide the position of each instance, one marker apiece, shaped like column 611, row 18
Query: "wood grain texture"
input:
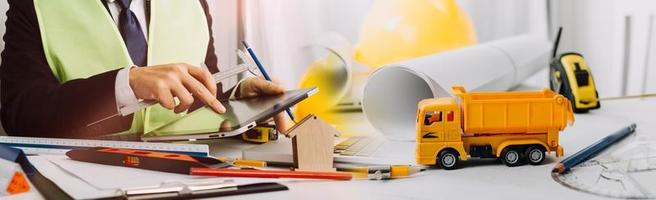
column 312, row 141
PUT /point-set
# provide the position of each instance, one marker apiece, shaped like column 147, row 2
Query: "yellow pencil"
column 244, row 163
column 381, row 171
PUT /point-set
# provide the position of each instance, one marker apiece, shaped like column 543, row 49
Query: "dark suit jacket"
column 35, row 104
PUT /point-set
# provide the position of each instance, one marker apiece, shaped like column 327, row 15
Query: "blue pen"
column 263, row 71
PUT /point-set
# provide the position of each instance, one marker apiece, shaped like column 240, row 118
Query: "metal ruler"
column 32, row 145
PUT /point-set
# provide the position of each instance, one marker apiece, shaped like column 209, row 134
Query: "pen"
column 592, row 150
column 382, row 171
column 263, row 71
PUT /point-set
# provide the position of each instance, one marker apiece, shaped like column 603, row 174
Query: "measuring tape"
column 32, row 145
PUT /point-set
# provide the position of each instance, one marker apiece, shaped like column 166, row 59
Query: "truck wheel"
column 535, row 154
column 448, row 159
column 511, row 156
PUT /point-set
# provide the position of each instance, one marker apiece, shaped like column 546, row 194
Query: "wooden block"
column 313, row 143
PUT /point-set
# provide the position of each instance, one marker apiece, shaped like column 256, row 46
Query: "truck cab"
column 438, row 128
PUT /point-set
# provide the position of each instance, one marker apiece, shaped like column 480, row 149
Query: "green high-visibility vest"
column 81, row 39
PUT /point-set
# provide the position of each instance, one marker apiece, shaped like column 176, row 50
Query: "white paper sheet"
column 392, row 92
column 76, row 188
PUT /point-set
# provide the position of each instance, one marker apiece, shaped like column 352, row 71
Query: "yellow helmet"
column 332, row 76
column 328, row 60
column 396, row 30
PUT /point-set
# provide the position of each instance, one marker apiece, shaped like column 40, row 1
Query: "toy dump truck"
column 516, row 127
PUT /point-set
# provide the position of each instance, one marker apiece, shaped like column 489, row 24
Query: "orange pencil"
column 252, row 173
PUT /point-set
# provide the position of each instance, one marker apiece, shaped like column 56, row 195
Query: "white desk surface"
column 478, row 179
column 484, row 179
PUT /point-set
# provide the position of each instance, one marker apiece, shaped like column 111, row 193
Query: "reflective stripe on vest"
column 80, row 39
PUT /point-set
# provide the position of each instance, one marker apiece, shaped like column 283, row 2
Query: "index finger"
column 198, row 90
column 205, row 77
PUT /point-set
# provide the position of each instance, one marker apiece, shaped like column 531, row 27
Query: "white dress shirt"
column 124, row 94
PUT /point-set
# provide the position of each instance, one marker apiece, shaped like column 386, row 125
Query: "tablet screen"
column 239, row 113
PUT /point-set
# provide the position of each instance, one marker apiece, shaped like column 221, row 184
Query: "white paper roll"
column 392, row 92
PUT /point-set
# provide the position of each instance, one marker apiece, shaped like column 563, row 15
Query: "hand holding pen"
column 264, row 72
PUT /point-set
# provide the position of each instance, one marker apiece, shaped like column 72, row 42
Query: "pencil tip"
column 559, row 168
column 633, row 126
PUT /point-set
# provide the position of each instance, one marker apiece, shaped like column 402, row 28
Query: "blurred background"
column 616, row 37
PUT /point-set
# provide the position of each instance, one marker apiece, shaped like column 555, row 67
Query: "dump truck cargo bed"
column 513, row 112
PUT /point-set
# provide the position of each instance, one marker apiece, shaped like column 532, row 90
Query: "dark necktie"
column 132, row 34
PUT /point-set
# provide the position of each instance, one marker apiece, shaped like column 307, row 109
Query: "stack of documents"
column 89, row 181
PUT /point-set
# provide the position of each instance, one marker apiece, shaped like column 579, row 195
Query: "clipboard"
column 241, row 115
column 82, row 180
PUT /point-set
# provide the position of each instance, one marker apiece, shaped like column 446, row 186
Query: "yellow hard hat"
column 331, row 75
column 328, row 68
column 396, row 30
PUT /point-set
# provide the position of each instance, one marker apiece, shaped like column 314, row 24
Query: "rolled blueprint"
column 392, row 92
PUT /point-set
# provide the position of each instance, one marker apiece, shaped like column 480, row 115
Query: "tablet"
column 240, row 116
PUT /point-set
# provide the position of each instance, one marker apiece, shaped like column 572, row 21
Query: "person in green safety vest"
column 69, row 63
